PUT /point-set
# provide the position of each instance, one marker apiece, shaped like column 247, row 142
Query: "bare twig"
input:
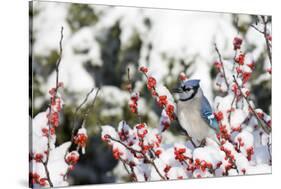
column 126, row 146
column 74, row 128
column 157, row 170
column 49, row 125
column 264, row 126
column 45, row 165
column 79, row 107
column 91, row 106
column 256, row 28
column 266, row 39
column 269, row 152
column 222, row 65
column 265, row 34
column 59, row 60
column 151, row 161
column 127, row 170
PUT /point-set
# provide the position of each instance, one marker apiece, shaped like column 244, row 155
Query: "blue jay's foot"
column 203, row 143
column 190, row 139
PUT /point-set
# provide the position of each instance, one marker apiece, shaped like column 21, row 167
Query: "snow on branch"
column 51, row 164
column 245, row 148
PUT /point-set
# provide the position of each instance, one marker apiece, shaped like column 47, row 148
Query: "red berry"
column 81, row 139
column 162, row 101
column 240, row 59
column 38, row 157
column 143, row 69
column 237, row 43
column 151, row 83
column 219, row 116
column 182, row 76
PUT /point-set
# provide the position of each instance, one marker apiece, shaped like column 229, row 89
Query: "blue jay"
column 194, row 112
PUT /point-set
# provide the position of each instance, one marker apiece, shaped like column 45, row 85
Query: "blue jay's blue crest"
column 188, row 89
column 191, row 83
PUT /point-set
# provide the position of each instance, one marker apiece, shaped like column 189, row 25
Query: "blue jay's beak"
column 177, row 90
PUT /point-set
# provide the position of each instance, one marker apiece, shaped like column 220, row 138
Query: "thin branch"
column 79, row 107
column 128, row 147
column 266, row 39
column 59, row 60
column 89, row 109
column 50, row 111
column 124, row 164
column 157, row 170
column 269, row 152
column 266, row 128
column 151, row 161
column 74, row 128
column 222, row 65
column 127, row 170
column 47, row 173
column 253, row 26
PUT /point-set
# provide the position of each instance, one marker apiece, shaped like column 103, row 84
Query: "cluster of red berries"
column 182, row 76
column 239, row 144
column 202, row 164
column 134, row 103
column 81, row 138
column 180, row 154
column 151, row 83
column 71, row 159
column 141, row 130
column 36, row 179
column 228, row 156
column 55, row 108
column 224, row 132
column 45, row 131
column 123, row 134
column 218, row 115
column 162, row 100
column 116, row 153
column 170, row 111
column 250, row 152
column 264, row 117
column 237, row 42
column 240, row 59
column 218, row 65
column 235, row 89
column 38, row 157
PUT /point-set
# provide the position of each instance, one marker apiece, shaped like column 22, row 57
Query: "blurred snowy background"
column 101, row 42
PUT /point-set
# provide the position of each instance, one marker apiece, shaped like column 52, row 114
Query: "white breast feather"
column 190, row 119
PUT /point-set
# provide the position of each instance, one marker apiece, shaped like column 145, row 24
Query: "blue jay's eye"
column 186, row 88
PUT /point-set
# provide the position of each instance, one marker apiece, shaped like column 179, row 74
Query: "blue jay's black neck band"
column 193, row 94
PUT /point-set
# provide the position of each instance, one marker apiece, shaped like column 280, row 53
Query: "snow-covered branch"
column 244, row 147
column 51, row 164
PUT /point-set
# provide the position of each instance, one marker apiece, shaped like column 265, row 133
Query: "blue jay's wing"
column 207, row 114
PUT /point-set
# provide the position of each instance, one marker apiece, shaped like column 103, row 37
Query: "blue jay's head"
column 188, row 89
